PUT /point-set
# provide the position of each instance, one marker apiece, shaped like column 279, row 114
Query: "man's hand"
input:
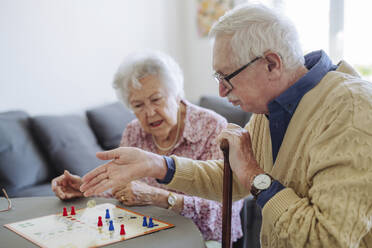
column 67, row 186
column 241, row 157
column 136, row 193
column 127, row 164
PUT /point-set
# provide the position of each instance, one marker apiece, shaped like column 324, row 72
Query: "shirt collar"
column 319, row 64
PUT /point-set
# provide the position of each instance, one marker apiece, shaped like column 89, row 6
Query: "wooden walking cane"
column 227, row 194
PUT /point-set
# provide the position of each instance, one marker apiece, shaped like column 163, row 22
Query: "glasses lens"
column 217, row 77
column 221, row 79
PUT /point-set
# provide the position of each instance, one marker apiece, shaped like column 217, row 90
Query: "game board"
column 81, row 230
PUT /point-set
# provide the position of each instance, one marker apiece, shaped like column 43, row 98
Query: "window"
column 357, row 36
column 339, row 27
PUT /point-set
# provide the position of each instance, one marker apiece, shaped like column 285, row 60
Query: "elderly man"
column 305, row 155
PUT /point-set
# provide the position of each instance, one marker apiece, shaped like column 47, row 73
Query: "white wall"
column 198, row 58
column 59, row 56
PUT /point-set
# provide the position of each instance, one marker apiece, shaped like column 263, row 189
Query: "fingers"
column 66, row 186
column 118, row 189
column 96, row 180
column 69, row 176
column 229, row 132
column 119, row 195
column 57, row 189
column 72, row 194
column 73, row 180
column 57, row 186
column 107, row 155
column 86, row 180
column 233, row 126
column 103, row 185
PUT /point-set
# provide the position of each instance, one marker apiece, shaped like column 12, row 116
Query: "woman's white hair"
column 142, row 64
column 256, row 29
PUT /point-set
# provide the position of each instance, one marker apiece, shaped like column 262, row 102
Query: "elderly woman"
column 151, row 85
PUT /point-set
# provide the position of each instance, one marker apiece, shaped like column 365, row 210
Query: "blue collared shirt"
column 282, row 108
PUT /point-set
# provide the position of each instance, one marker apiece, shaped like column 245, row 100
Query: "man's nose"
column 223, row 91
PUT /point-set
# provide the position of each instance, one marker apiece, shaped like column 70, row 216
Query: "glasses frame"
column 9, row 202
column 221, row 79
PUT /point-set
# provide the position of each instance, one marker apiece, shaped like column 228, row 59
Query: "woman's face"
column 155, row 109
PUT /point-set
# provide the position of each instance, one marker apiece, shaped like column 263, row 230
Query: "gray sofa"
column 35, row 149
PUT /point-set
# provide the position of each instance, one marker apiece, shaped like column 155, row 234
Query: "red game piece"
column 65, row 212
column 73, row 210
column 99, row 224
column 122, row 231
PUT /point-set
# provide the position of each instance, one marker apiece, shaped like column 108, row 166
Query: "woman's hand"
column 127, row 164
column 136, row 193
column 67, row 186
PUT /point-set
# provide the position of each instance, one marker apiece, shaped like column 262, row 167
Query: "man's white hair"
column 256, row 29
column 139, row 65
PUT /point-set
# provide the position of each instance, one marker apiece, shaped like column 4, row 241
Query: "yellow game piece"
column 91, row 203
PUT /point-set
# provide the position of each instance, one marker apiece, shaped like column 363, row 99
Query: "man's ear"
column 274, row 61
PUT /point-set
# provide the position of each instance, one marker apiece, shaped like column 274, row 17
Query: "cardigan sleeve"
column 203, row 179
column 337, row 211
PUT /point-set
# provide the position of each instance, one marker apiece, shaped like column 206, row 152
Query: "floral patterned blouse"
column 198, row 141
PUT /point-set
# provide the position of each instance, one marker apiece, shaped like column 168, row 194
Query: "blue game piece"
column 151, row 224
column 107, row 214
column 111, row 227
column 144, row 223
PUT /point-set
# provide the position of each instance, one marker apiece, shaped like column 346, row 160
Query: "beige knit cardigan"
column 325, row 162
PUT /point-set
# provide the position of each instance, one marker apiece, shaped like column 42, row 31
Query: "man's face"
column 252, row 89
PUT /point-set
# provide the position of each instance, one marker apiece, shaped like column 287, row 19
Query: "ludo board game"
column 93, row 226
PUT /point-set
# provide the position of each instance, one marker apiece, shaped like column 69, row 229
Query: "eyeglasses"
column 9, row 202
column 225, row 80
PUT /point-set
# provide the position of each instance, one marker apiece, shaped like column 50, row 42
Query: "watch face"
column 171, row 199
column 262, row 181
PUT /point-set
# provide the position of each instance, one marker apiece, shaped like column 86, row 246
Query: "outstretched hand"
column 127, row 164
column 241, row 157
column 67, row 186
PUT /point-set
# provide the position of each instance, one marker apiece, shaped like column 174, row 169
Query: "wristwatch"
column 260, row 183
column 172, row 199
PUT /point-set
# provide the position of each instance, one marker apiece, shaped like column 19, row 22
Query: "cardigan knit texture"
column 325, row 163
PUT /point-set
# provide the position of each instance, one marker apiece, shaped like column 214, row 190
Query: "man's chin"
column 246, row 108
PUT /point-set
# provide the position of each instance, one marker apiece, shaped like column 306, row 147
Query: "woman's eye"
column 138, row 105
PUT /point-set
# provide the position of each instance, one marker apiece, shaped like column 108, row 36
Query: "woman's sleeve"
column 211, row 149
column 128, row 136
column 207, row 215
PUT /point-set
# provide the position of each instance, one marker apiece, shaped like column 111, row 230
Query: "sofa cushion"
column 21, row 161
column 108, row 123
column 233, row 114
column 33, row 190
column 68, row 141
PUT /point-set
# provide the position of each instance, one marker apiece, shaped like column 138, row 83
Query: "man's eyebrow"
column 220, row 73
column 225, row 68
